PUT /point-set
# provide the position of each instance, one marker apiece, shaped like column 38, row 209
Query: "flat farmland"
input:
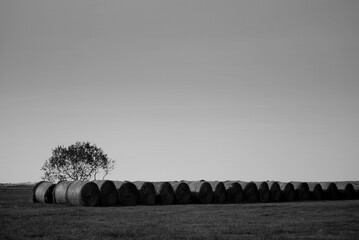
column 22, row 219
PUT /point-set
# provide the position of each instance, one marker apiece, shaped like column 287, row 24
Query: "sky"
column 173, row 90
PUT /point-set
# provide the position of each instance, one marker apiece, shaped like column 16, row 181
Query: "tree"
column 80, row 161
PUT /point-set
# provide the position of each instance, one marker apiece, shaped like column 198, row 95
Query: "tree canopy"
column 79, row 161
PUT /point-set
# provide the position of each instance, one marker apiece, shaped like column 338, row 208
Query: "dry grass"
column 22, row 219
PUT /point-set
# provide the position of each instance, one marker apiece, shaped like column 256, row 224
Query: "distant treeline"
column 16, row 186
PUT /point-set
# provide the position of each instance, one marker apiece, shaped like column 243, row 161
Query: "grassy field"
column 22, row 219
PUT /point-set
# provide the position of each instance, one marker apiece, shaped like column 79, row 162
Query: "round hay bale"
column 201, row 192
column 83, row 193
column 34, row 191
column 59, row 193
column 219, row 192
column 348, row 192
column 302, row 190
column 250, row 192
column 127, row 193
column 234, row 193
column 356, row 189
column 42, row 192
column 108, row 192
column 331, row 191
column 263, row 190
column 288, row 191
column 147, row 192
column 275, row 192
column 164, row 193
column 316, row 191
column 182, row 192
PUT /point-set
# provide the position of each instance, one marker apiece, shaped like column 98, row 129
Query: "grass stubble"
column 22, row 219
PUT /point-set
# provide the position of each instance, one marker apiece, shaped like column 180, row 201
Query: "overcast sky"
column 172, row 90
